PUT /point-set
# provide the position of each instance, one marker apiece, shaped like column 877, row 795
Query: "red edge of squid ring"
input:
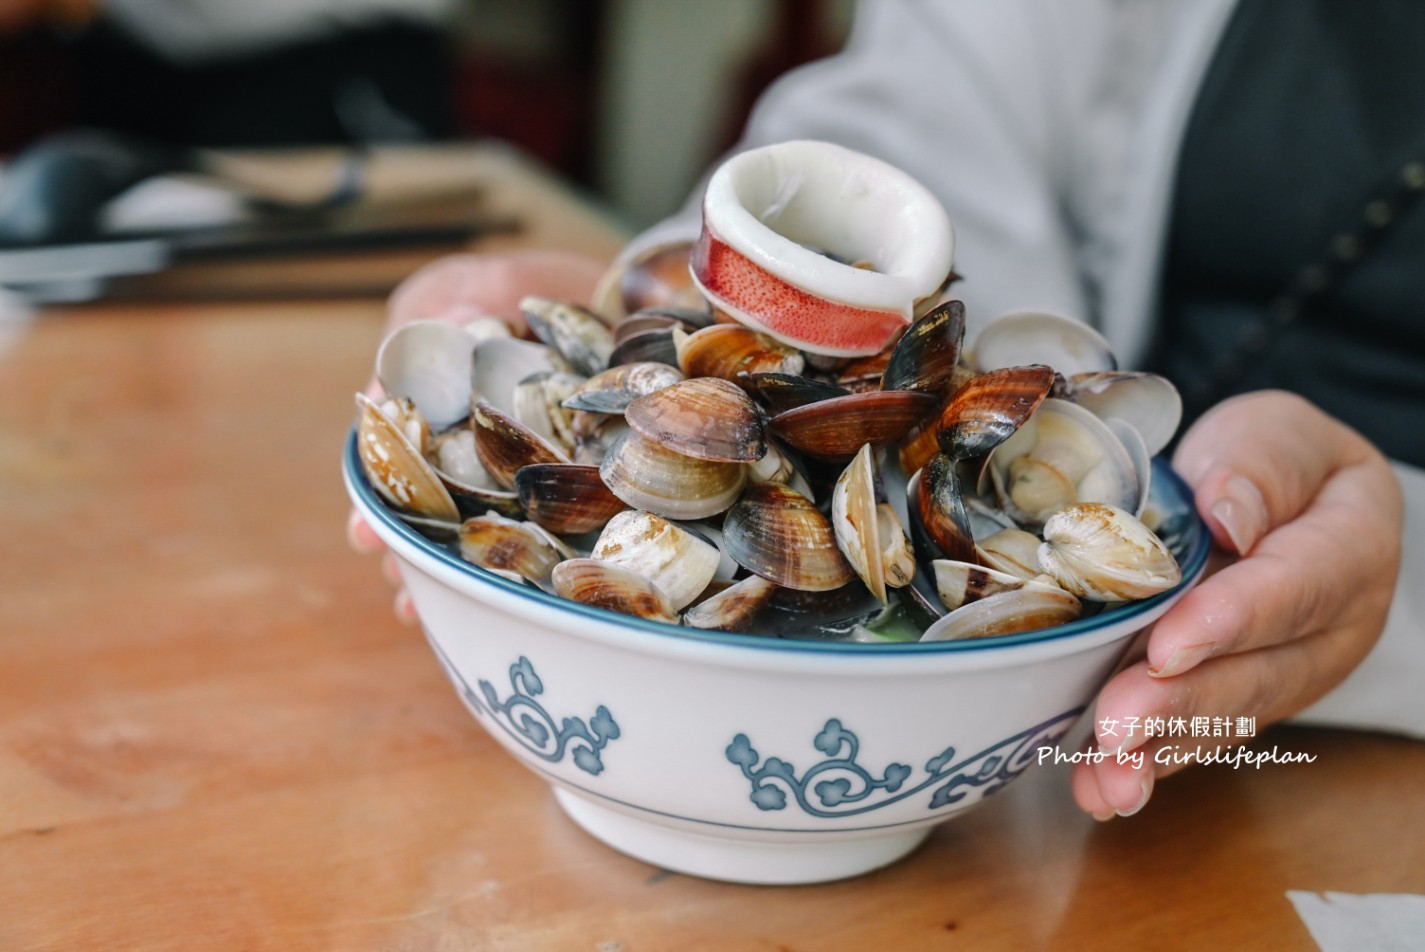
column 760, row 299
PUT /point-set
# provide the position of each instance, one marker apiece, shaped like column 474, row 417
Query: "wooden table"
column 215, row 735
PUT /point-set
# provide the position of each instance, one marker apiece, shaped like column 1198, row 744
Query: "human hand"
column 1314, row 515
column 460, row 288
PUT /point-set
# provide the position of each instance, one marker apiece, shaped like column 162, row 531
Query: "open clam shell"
column 429, row 362
column 576, row 333
column 1007, row 613
column 959, row 583
column 504, row 445
column 868, row 531
column 1147, row 402
column 990, row 407
column 1042, row 337
column 500, row 363
column 1013, row 551
column 396, row 468
column 452, row 454
column 1063, row 454
column 538, row 404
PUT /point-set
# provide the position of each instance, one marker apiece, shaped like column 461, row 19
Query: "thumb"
column 1257, row 461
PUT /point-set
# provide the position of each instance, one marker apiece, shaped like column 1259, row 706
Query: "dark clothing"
column 1310, row 110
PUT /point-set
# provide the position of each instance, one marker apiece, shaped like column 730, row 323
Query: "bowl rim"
column 1193, row 562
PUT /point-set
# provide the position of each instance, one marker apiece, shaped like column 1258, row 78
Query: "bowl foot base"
column 738, row 861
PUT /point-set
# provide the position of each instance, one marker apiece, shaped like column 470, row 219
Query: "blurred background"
column 628, row 99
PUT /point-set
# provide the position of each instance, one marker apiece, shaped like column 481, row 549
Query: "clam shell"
column 1062, row 455
column 703, row 417
column 1104, row 553
column 396, row 469
column 959, row 583
column 1042, row 337
column 926, row 356
column 835, row 429
column 1012, row 551
column 868, row 533
column 493, row 542
column 1008, row 613
column 675, row 560
column 566, row 498
column 504, row 445
column 990, row 407
column 781, row 392
column 538, row 403
column 657, row 276
column 605, row 585
column 650, row 346
column 614, row 389
column 576, row 333
column 429, row 362
column 647, row 475
column 777, row 533
column 500, row 363
column 452, row 454
column 730, row 350
column 937, row 509
column 734, row 607
column 1147, row 402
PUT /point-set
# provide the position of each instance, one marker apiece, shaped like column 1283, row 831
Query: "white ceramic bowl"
column 754, row 759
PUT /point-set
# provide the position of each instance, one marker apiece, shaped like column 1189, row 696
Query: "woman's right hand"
column 460, row 288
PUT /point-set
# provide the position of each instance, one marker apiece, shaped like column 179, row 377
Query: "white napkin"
column 1373, row 922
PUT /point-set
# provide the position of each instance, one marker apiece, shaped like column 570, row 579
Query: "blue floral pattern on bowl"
column 842, row 787
column 532, row 727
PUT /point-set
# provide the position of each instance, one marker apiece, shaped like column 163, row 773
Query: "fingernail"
column 359, row 535
column 1132, row 740
column 1104, row 817
column 391, row 569
column 1242, row 513
column 1184, row 659
column 1146, row 785
column 405, row 608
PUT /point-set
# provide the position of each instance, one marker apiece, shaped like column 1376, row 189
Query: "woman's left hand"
column 1314, row 514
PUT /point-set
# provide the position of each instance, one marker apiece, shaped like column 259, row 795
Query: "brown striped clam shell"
column 777, row 533
column 703, row 417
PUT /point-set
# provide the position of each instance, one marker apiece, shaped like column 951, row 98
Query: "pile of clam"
column 727, row 442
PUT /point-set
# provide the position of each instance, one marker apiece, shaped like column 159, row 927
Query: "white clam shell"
column 1042, row 337
column 1147, row 402
column 679, row 563
column 1006, row 613
column 1106, row 554
column 429, row 362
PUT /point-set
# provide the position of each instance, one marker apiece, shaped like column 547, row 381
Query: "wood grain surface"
column 214, row 735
